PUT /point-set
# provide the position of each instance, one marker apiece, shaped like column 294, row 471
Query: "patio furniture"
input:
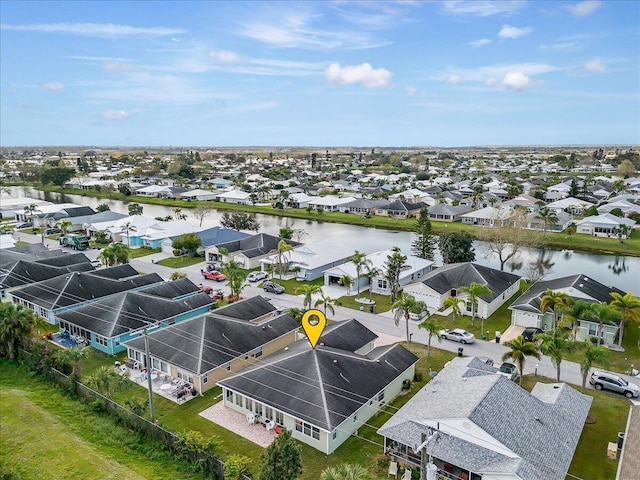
column 464, row 476
column 251, row 418
column 270, row 425
column 393, row 469
column 406, row 475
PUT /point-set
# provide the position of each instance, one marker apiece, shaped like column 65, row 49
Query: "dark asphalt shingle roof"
column 249, row 309
column 348, row 335
column 531, row 299
column 22, row 272
column 403, row 206
column 455, row 275
column 256, row 245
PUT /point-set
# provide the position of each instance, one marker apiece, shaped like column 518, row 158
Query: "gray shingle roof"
column 322, row 386
column 531, row 299
column 534, row 435
column 456, row 275
column 348, row 335
column 22, row 272
column 256, row 245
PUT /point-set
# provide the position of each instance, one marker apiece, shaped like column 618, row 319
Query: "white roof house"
column 7, row 241
column 487, row 217
column 605, row 225
column 571, row 204
column 313, row 259
column 198, row 194
column 235, row 196
column 623, row 205
column 329, row 202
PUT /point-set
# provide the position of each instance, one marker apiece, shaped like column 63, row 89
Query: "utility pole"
column 149, row 383
column 423, row 457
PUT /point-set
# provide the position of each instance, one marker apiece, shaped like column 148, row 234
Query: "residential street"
column 381, row 323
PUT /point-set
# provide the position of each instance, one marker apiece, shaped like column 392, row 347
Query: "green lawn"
column 179, row 262
column 142, row 252
column 48, row 435
column 290, row 285
column 383, row 302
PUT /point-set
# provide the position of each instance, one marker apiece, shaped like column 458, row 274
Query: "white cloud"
column 517, row 76
column 483, row 8
column 515, row 80
column 596, row 66
column 363, row 73
column 585, row 8
column 54, row 86
column 508, row 31
column 480, row 43
column 94, row 29
column 413, row 91
column 115, row 114
column 225, row 56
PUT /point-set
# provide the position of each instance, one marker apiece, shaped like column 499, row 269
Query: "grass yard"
column 291, row 284
column 142, row 252
column 54, row 436
column 179, row 262
column 383, row 302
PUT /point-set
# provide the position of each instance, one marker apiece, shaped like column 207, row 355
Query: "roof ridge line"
column 118, row 312
column 322, row 392
column 202, row 340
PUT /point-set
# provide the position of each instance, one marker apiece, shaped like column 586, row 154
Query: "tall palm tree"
column 519, row 350
column 347, row 281
column 555, row 344
column 327, row 303
column 64, row 226
column 571, row 314
column 474, row 291
column 548, row 217
column 433, row 330
column 16, row 324
column 454, row 303
column 178, row 215
column 556, row 301
column 308, row 291
column 283, row 248
column 404, row 307
column 603, row 313
column 360, row 261
column 629, row 308
column 296, row 313
column 591, row 354
column 372, row 272
column 345, row 471
column 115, row 254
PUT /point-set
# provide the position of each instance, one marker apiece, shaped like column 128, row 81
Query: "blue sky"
column 406, row 73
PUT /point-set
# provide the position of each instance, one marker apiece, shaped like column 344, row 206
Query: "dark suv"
column 529, row 333
column 273, row 287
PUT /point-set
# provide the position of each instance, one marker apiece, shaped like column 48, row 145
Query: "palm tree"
column 136, row 405
column 360, row 261
column 454, row 303
column 591, row 354
column 556, row 301
column 178, row 215
column 128, row 228
column 308, row 291
column 327, row 303
column 106, row 380
column 345, row 471
column 347, row 281
column 115, row 254
column 372, row 272
column 519, row 350
column 296, row 313
column 404, row 307
column 474, row 291
column 433, row 330
column 555, row 343
column 74, row 356
column 283, row 248
column 601, row 313
column 64, row 226
column 571, row 314
column 629, row 308
column 177, row 276
column 548, row 217
column 16, row 324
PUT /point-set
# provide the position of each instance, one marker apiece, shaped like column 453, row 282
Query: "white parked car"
column 257, row 276
column 458, row 335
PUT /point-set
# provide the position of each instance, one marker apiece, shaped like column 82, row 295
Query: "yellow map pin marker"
column 313, row 323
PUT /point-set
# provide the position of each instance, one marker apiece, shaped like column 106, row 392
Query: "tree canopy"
column 282, row 460
column 187, row 243
column 456, row 247
column 239, row 221
column 425, row 243
column 57, row 175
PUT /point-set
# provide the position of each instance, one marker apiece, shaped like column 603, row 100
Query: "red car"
column 206, row 289
column 214, row 275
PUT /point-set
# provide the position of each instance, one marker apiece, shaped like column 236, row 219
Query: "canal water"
column 620, row 271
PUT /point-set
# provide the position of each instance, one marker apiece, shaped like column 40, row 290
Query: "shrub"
column 417, row 377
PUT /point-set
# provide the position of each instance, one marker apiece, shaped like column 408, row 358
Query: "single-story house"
column 481, row 425
column 400, row 209
column 443, row 212
column 571, row 205
column 50, row 215
column 412, row 195
column 416, row 268
column 625, row 206
column 488, row 217
column 209, row 236
column 235, row 196
column 154, row 191
column 323, row 394
column 7, row 241
column 534, row 222
column 154, row 235
column 524, row 201
column 208, row 348
column 362, row 206
column 219, row 182
column 110, row 321
column 249, row 251
column 18, row 273
column 557, row 192
column 117, row 229
column 64, row 292
column 298, row 200
column 606, row 225
column 525, row 310
column 311, row 260
column 445, row 281
column 329, row 203
column 198, row 195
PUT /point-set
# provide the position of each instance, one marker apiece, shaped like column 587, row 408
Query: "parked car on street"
column 214, row 275
column 52, row 231
column 615, row 383
column 529, row 333
column 257, row 276
column 509, row 370
column 25, row 225
column 273, row 287
column 205, row 288
column 458, row 335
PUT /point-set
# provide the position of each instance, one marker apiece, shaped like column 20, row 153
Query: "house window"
column 258, row 409
column 279, row 418
column 334, row 434
column 381, row 396
column 229, row 396
column 307, row 429
column 355, row 417
column 259, row 352
column 268, row 414
column 248, row 404
column 382, row 284
column 205, row 378
column 229, row 367
column 239, row 400
column 101, row 340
